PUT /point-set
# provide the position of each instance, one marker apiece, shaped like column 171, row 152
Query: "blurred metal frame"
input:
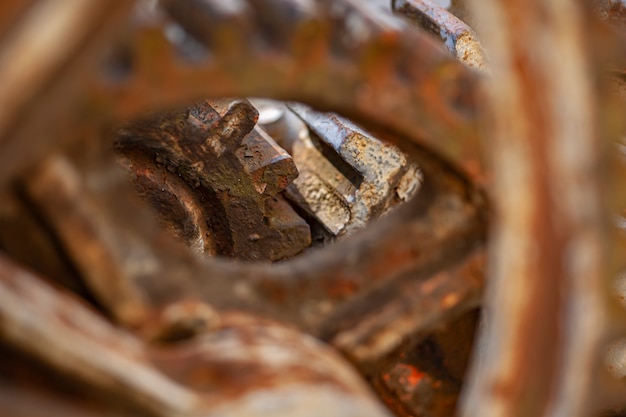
column 551, row 255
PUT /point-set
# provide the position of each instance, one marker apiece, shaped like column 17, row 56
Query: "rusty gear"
column 215, row 178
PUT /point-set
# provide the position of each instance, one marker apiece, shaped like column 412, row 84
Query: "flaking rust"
column 457, row 36
column 348, row 177
column 203, row 167
column 214, row 180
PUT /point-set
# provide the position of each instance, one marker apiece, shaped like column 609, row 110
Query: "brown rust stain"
column 538, row 336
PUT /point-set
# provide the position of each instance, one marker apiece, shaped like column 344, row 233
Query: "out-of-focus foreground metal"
column 132, row 321
column 548, row 304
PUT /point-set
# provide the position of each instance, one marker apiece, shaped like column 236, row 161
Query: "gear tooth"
column 237, row 120
column 267, row 164
column 358, row 171
column 293, row 228
column 228, row 170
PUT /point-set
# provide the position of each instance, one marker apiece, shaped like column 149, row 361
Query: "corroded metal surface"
column 426, row 379
column 457, row 36
column 241, row 365
column 380, row 292
column 45, row 82
column 395, row 63
column 612, row 11
column 347, row 177
column 315, row 293
column 214, row 179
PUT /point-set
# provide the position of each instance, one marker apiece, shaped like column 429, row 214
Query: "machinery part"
column 103, row 260
column 548, row 300
column 457, row 36
column 422, row 376
column 365, row 74
column 348, row 306
column 78, row 40
column 331, row 290
column 426, row 379
column 614, row 12
column 215, row 178
column 24, row 236
column 241, row 366
column 347, row 177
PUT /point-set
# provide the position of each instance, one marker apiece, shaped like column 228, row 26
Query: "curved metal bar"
column 546, row 303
